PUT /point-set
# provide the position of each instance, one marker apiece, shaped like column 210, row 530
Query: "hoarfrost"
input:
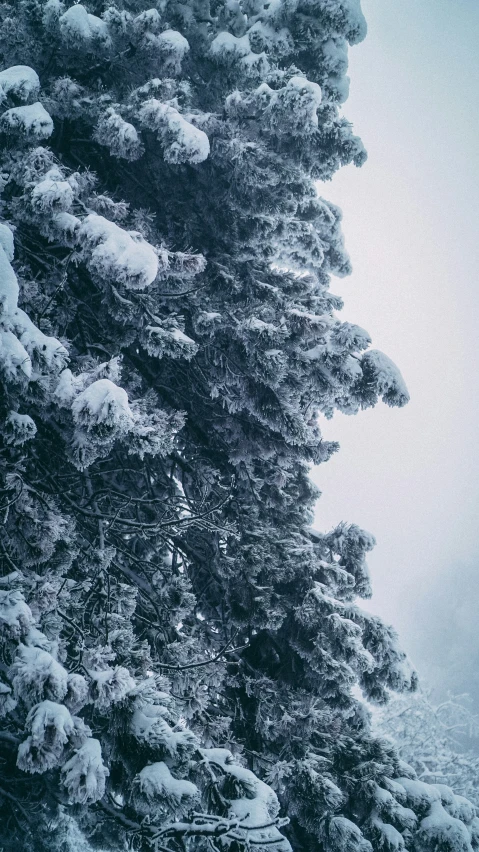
column 46, row 349
column 231, row 49
column 445, row 831
column 149, row 726
column 38, row 676
column 15, row 614
column 50, row 727
column 32, row 121
column 172, row 47
column 7, row 702
column 102, row 403
column 77, row 692
column 119, row 136
column 183, row 142
column 6, row 242
column 173, row 342
column 8, row 285
column 21, row 81
column 258, row 807
column 77, row 26
column 155, row 785
column 390, row 383
column 116, row 254
column 110, row 686
column 52, row 193
column 85, row 773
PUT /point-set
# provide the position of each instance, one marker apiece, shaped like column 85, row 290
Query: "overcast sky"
column 411, row 223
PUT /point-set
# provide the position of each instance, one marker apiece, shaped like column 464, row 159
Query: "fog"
column 411, row 476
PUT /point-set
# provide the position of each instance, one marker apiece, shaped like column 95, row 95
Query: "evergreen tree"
column 179, row 648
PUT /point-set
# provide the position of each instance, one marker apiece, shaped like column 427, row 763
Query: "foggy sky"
column 411, row 476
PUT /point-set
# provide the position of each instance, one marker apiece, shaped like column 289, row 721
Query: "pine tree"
column 179, row 648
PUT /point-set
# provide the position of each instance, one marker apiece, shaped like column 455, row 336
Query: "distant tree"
column 441, row 741
column 178, row 647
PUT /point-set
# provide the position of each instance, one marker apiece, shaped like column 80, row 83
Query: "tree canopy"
column 182, row 655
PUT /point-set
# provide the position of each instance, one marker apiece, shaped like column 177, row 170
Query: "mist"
column 411, row 476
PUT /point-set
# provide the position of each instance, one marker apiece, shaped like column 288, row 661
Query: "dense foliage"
column 179, row 649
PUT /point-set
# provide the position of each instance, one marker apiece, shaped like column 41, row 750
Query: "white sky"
column 411, row 223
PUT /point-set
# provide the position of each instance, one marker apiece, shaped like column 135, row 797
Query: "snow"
column 32, row 120
column 84, row 774
column 174, row 42
column 357, row 27
column 265, row 37
column 301, row 87
column 323, row 321
column 65, row 390
column 232, row 49
column 102, row 402
column 390, row 383
column 119, row 135
column 116, row 254
column 183, row 142
column 173, row 342
column 8, row 280
column 36, row 638
column 173, row 47
column 346, row 335
column 7, row 702
column 110, row 686
column 257, row 808
column 293, row 108
column 77, row 26
column 393, row 841
column 77, row 693
column 148, row 21
column 256, row 324
column 208, row 317
column 334, row 54
column 66, row 226
column 15, row 614
column 46, row 349
column 419, row 795
column 20, row 339
column 444, row 831
column 6, row 242
column 227, row 45
column 149, row 726
column 155, row 784
column 181, row 337
column 316, row 353
column 36, row 676
column 21, row 81
column 462, row 809
column 52, row 193
column 345, row 835
column 50, row 726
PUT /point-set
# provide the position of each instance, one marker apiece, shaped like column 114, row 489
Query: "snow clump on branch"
column 84, row 775
column 117, row 255
column 21, row 81
column 155, row 787
column 182, row 141
column 32, row 121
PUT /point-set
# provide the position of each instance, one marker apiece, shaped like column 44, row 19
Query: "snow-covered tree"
column 440, row 740
column 178, row 647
